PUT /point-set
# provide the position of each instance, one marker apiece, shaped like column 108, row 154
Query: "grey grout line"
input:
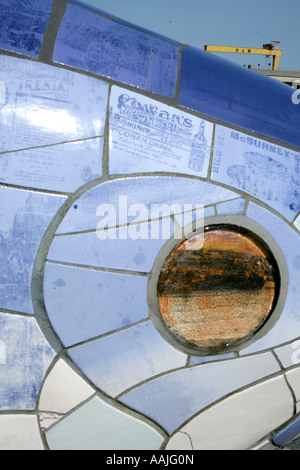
column 53, row 26
column 98, row 268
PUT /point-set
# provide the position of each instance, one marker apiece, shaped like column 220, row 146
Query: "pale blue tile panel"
column 93, row 43
column 82, row 304
column 25, row 357
column 150, row 191
column 42, row 105
column 148, row 136
column 172, row 399
column 132, row 248
column 164, row 68
column 99, row 426
column 23, row 25
column 235, row 207
column 267, row 171
column 127, row 358
column 202, row 359
column 49, row 167
column 24, row 218
column 287, row 326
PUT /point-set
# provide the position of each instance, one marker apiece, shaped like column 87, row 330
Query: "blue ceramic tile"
column 87, row 5
column 153, row 192
column 24, row 218
column 289, row 354
column 288, row 433
column 132, row 248
column 287, row 326
column 172, row 399
column 119, row 361
column 99, row 426
column 93, row 43
column 153, row 34
column 49, row 167
column 27, row 357
column 101, row 301
column 45, row 105
column 23, row 25
column 164, row 68
column 148, row 136
column 231, row 207
column 267, row 171
column 221, row 89
column 202, row 359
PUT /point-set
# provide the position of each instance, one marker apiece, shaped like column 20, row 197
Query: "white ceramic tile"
column 180, row 441
column 293, row 378
column 289, row 354
column 63, row 389
column 147, row 135
column 243, row 419
column 99, row 426
column 48, row 419
column 20, row 432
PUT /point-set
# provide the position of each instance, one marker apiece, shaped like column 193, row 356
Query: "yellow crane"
column 267, row 50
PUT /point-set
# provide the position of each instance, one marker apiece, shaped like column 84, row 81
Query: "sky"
column 237, row 23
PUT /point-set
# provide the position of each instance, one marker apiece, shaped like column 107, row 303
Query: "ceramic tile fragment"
column 293, row 378
column 136, row 251
column 287, row 326
column 164, row 68
column 48, row 419
column 119, row 361
column 241, row 420
column 20, row 432
column 297, row 223
column 99, row 426
column 23, row 25
column 206, row 384
column 48, row 105
column 48, row 168
column 91, row 42
column 148, row 136
column 27, row 357
column 24, row 218
column 264, row 444
column 202, row 359
column 161, row 195
column 181, row 440
column 63, row 389
column 287, row 433
column 267, row 171
column 289, row 354
column 228, row 92
column 235, row 207
column 101, row 301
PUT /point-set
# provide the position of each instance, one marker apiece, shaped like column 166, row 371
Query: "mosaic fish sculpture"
column 114, row 140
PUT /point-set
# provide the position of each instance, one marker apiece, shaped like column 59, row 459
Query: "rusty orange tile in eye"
column 217, row 288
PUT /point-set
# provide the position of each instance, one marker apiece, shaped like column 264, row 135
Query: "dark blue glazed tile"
column 23, row 25
column 42, row 105
column 27, row 356
column 154, row 192
column 197, row 387
column 101, row 301
column 119, row 361
column 164, row 68
column 267, row 171
column 287, row 326
column 223, row 90
column 93, row 43
column 148, row 136
column 24, row 218
column 49, row 167
column 288, row 433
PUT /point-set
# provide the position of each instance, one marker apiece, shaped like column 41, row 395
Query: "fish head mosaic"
column 149, row 234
